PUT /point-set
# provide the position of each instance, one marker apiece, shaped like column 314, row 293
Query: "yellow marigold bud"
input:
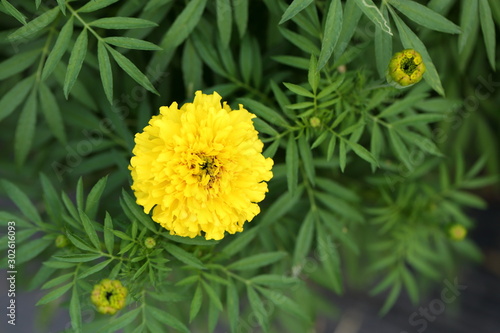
column 149, row 242
column 109, row 296
column 61, row 241
column 457, row 232
column 200, row 168
column 315, row 121
column 405, row 68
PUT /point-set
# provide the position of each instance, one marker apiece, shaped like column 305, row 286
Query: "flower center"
column 408, row 65
column 108, row 295
column 207, row 170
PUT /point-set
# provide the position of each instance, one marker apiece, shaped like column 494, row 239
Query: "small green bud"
column 457, row 232
column 61, row 241
column 149, row 242
column 315, row 122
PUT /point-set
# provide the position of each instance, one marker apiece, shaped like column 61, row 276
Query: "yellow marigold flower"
column 405, row 68
column 457, row 232
column 200, row 168
column 109, row 296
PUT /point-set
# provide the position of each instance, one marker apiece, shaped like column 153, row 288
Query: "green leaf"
column 257, row 261
column 224, row 21
column 331, row 147
column 301, row 91
column 25, row 129
column 402, row 105
column 14, row 12
column 240, row 242
column 15, row 96
column 307, row 159
column 257, row 306
column 122, row 321
column 342, row 155
column 240, row 8
column 488, row 28
column 21, row 200
column 383, row 46
column 400, row 149
column 51, row 111
column 77, row 257
column 57, row 281
column 270, row 115
column 54, row 294
column 340, row 207
column 293, row 61
column 195, row 303
column 313, row 76
column 392, row 298
column 468, row 199
column 304, row 239
column 420, row 141
column 295, row 7
column 105, row 71
column 79, row 243
column 410, row 284
column 275, row 280
column 132, row 70
column 233, row 305
column 75, row 310
column 122, row 23
column 330, row 259
column 425, row 16
column 94, row 269
column 94, row 197
column 184, row 256
column 292, row 164
column 352, row 14
column 75, row 62
column 137, row 212
column 374, row 14
column 302, row 42
column 94, row 5
column 411, row 41
column 468, row 19
column 132, row 43
column 214, row 298
column 167, row 319
column 331, row 34
column 362, row 152
column 419, row 118
column 18, row 63
column 29, row 30
column 89, row 229
column 108, row 234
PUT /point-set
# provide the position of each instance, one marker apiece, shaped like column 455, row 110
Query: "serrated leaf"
column 304, row 239
column 307, row 159
column 402, row 105
column 29, row 30
column 14, row 12
column 137, row 213
column 352, row 14
column 108, row 234
column 122, row 321
column 195, row 303
column 94, row 269
column 94, row 197
column 79, row 243
column 214, row 298
column 468, row 19
column 425, row 16
column 89, row 229
column 391, row 298
column 18, row 63
column 294, row 8
column 292, row 164
column 301, row 91
column 93, row 5
column 383, row 46
column 333, row 28
column 224, row 20
column 77, row 257
column 270, row 115
column 418, row 119
column 302, row 42
column 51, row 111
column 258, row 308
column 54, row 294
column 240, row 9
column 275, row 280
column 167, row 319
column 233, row 304
column 410, row 284
column 342, row 155
column 331, row 147
column 75, row 310
column 257, row 260
column 25, row 129
column 21, row 200
column 184, row 256
column 362, row 152
column 57, row 281
column 374, row 14
column 400, row 149
column 15, row 96
column 132, row 71
column 122, row 23
column 75, row 62
column 488, row 28
column 132, row 43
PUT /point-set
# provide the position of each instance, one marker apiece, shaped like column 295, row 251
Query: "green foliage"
column 367, row 178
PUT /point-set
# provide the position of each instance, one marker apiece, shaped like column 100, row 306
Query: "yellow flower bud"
column 315, row 122
column 109, row 296
column 149, row 242
column 405, row 69
column 457, row 232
